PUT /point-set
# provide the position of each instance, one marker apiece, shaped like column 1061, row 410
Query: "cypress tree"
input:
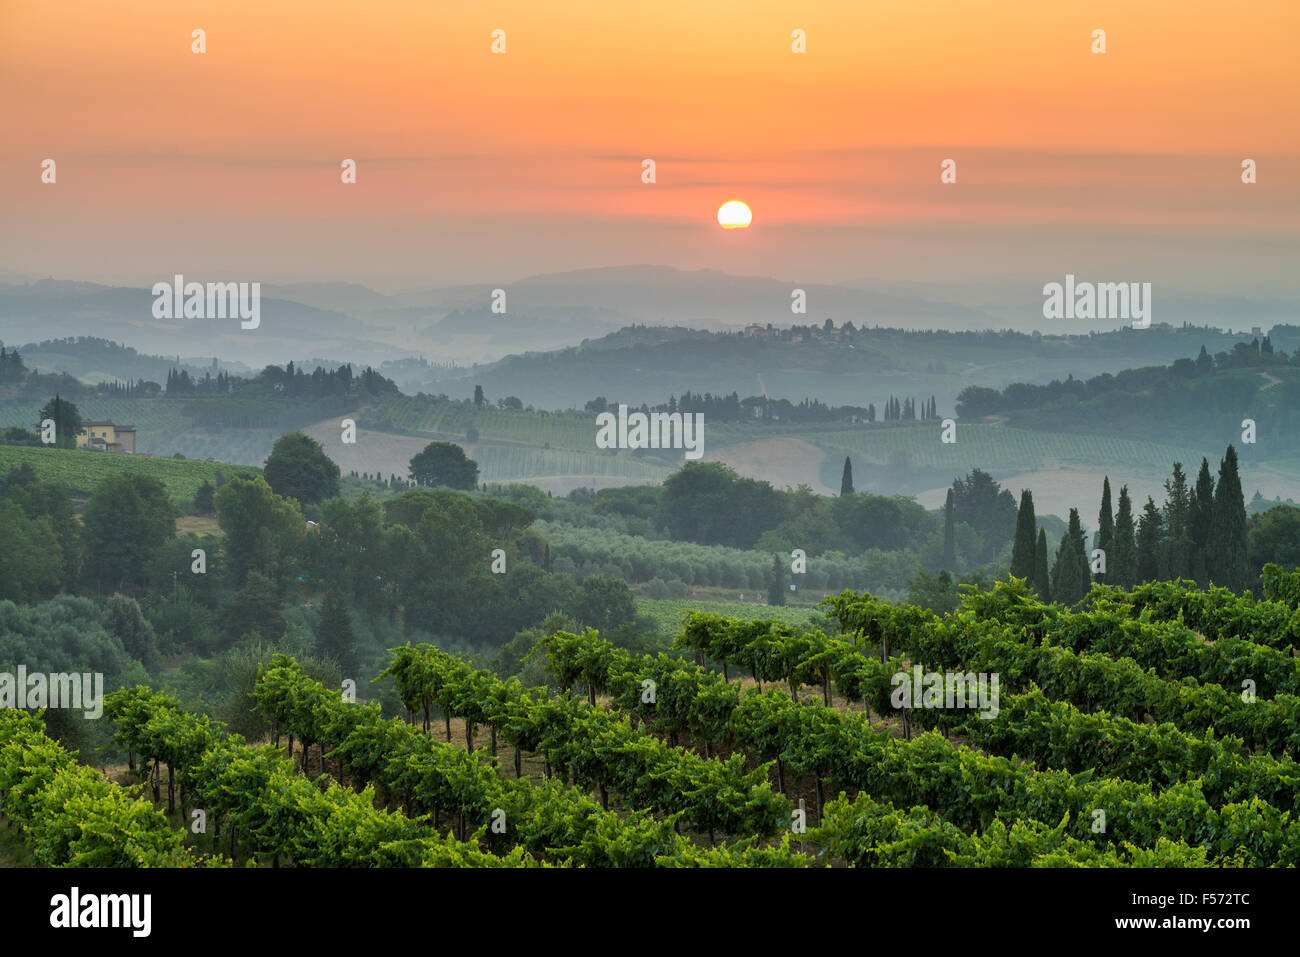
column 1122, row 562
column 1042, row 581
column 1204, row 364
column 776, row 582
column 1022, row 549
column 949, row 533
column 1081, row 552
column 1177, row 561
column 1149, row 542
column 1229, row 565
column 1070, row 573
column 1105, row 527
column 1202, row 520
column 846, row 479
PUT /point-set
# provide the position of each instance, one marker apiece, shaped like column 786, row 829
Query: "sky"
column 482, row 167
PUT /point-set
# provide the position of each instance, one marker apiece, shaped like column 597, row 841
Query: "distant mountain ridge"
column 548, row 312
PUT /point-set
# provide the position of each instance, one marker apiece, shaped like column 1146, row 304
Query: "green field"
column 81, row 470
column 426, row 415
column 668, row 613
column 504, row 463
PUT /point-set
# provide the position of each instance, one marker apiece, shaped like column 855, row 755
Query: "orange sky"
column 474, row 166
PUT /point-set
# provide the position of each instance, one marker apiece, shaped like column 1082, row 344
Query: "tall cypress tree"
column 1202, row 521
column 1070, row 573
column 1106, row 528
column 949, row 533
column 776, row 582
column 1229, row 565
column 1149, row 535
column 1177, row 561
column 1080, row 551
column 1042, row 580
column 1022, row 548
column 846, row 478
column 1121, row 563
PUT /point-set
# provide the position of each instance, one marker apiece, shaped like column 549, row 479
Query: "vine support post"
column 803, row 814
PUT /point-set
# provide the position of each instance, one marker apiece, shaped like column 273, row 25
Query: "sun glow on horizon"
column 734, row 214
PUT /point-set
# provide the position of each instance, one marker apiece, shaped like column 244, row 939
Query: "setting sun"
column 734, row 215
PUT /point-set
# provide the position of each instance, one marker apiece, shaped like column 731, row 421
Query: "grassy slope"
column 82, row 470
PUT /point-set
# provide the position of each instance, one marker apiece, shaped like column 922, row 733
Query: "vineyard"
column 81, row 470
column 196, row 428
column 515, row 445
column 670, row 614
column 428, row 415
column 157, row 419
column 1122, row 738
column 506, row 463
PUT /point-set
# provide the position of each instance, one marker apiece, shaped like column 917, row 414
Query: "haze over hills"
column 647, row 365
column 635, row 335
column 553, row 311
column 1141, row 415
column 51, row 309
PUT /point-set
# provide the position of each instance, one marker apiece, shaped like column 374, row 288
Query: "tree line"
column 1200, row 533
column 976, row 401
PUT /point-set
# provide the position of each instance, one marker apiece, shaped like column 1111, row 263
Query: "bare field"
column 379, row 452
column 785, row 460
column 198, row 524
